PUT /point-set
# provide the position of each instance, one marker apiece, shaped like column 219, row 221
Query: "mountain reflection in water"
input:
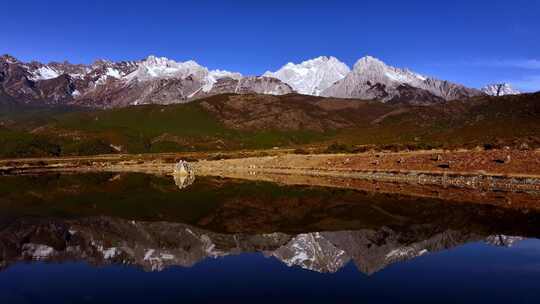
column 146, row 221
column 157, row 245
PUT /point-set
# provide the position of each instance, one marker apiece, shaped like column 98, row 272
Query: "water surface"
column 110, row 238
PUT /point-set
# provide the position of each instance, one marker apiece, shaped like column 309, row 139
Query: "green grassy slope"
column 139, row 129
column 257, row 122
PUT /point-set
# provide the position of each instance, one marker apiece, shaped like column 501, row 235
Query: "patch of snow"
column 148, row 254
column 209, row 246
column 37, row 251
column 167, row 256
column 44, row 73
column 405, row 252
column 157, row 261
column 197, row 91
column 110, row 253
column 214, row 75
column 114, row 73
column 500, row 89
column 77, row 75
column 403, row 76
column 503, row 240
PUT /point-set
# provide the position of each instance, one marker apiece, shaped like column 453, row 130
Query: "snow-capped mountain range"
column 107, row 84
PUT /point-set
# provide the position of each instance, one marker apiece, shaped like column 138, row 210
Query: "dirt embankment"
column 507, row 170
column 491, row 162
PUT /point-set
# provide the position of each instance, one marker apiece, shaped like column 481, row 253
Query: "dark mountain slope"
column 225, row 122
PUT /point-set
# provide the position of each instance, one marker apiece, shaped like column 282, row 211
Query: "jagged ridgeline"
column 158, row 80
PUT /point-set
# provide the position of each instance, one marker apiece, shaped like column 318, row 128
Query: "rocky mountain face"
column 247, row 85
column 106, row 84
column 313, row 76
column 500, row 89
column 373, row 79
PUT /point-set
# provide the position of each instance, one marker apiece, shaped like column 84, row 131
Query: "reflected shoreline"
column 522, row 199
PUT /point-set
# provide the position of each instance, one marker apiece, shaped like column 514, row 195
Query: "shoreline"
column 494, row 170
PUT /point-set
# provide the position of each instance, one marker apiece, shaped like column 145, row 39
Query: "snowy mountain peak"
column 311, row 76
column 154, row 67
column 500, row 89
column 44, row 73
column 316, row 61
column 162, row 80
column 368, row 61
column 377, row 68
column 153, row 60
column 371, row 78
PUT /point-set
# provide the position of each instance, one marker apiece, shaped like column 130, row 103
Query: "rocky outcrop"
column 250, row 85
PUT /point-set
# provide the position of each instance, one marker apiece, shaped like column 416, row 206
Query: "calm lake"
column 139, row 238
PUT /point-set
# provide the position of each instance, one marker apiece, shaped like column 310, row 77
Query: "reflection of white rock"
column 183, row 168
column 183, row 174
column 183, row 181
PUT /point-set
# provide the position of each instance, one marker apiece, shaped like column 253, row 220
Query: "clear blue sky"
column 472, row 42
